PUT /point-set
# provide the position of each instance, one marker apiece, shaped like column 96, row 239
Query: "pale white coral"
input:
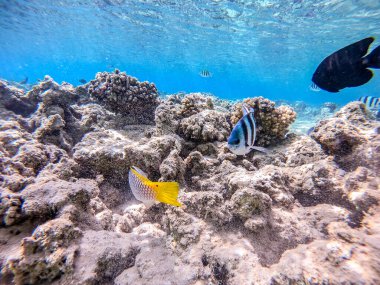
column 205, row 126
column 125, row 95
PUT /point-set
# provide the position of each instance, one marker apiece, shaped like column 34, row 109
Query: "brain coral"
column 272, row 123
column 125, row 95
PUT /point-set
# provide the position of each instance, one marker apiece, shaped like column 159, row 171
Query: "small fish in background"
column 314, row 87
column 83, row 81
column 347, row 67
column 243, row 135
column 372, row 103
column 150, row 192
column 24, row 81
column 309, row 131
column 205, row 73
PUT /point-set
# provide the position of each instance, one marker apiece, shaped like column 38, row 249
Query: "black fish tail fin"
column 373, row 58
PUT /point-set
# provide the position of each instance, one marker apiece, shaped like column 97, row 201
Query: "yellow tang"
column 149, row 192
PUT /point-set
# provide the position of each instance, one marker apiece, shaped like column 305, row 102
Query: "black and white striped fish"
column 205, row 73
column 371, row 102
column 243, row 135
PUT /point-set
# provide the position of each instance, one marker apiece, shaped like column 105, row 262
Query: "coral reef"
column 206, row 126
column 192, row 117
column 15, row 99
column 125, row 95
column 307, row 212
column 345, row 137
column 309, row 115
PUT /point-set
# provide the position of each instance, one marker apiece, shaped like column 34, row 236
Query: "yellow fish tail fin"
column 167, row 192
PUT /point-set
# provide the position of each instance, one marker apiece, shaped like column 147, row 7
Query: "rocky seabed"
column 306, row 213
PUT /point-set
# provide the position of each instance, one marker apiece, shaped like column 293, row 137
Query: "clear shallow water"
column 269, row 48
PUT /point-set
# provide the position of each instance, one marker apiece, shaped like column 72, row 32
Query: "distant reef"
column 305, row 213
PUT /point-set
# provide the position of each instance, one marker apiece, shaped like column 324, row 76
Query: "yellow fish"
column 149, row 192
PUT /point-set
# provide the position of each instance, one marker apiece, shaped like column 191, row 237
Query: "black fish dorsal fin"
column 356, row 50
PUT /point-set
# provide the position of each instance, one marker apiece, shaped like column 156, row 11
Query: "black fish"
column 348, row 67
column 83, row 81
column 24, row 81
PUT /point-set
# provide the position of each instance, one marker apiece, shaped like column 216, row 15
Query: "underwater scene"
column 184, row 142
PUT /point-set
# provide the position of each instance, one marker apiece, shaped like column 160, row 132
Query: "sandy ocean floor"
column 305, row 213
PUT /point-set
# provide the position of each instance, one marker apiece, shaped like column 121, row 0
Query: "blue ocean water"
column 265, row 47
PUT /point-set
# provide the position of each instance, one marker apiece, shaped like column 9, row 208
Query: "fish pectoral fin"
column 166, row 192
column 261, row 149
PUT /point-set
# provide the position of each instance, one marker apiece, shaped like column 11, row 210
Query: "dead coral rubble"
column 305, row 213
